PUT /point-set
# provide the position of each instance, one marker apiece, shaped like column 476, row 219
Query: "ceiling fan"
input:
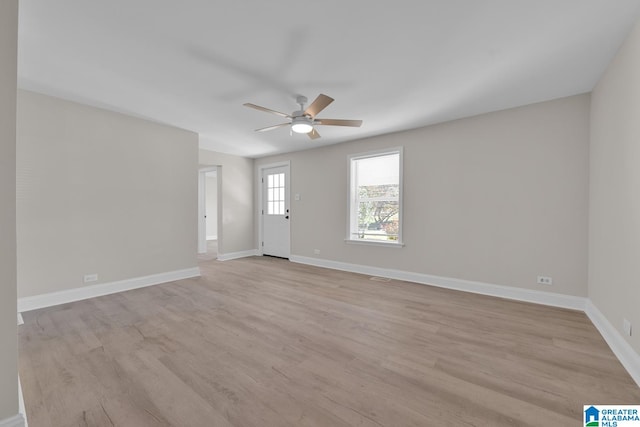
column 304, row 120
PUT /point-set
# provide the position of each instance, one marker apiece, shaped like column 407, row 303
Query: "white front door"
column 275, row 211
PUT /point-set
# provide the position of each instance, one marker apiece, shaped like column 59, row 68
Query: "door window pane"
column 275, row 194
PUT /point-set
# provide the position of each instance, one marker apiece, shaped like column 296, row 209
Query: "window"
column 275, row 194
column 375, row 199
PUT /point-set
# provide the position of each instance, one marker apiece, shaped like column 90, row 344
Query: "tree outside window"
column 375, row 197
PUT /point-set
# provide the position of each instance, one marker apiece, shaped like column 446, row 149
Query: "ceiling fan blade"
column 338, row 122
column 319, row 104
column 266, row 110
column 314, row 134
column 272, row 127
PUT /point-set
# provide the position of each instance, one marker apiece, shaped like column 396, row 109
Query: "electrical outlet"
column 316, row 251
column 90, row 278
column 545, row 280
column 626, row 327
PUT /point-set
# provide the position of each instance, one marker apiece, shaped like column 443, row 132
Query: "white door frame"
column 202, row 204
column 261, row 169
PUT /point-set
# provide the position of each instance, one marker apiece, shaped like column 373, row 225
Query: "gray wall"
column 8, row 331
column 236, row 180
column 100, row 192
column 614, row 211
column 498, row 198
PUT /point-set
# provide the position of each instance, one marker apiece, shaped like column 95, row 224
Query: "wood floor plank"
column 265, row 342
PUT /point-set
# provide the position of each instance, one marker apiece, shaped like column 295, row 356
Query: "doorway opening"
column 209, row 213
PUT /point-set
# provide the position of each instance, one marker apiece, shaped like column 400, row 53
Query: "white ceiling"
column 396, row 65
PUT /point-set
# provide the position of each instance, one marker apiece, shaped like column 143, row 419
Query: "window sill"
column 374, row 243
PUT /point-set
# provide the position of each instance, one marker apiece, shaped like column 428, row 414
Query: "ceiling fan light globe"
column 301, row 125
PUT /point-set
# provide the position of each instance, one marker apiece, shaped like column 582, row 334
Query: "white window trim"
column 351, row 191
column 374, row 243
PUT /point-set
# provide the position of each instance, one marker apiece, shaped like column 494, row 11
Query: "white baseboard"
column 21, row 409
column 236, row 255
column 15, row 421
column 76, row 294
column 620, row 347
column 212, row 237
column 519, row 294
column 20, row 319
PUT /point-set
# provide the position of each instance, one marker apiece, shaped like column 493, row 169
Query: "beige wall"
column 8, row 79
column 614, row 226
column 100, row 192
column 212, row 206
column 236, row 183
column 499, row 198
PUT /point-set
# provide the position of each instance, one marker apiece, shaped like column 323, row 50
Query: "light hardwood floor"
column 212, row 251
column 265, row 342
